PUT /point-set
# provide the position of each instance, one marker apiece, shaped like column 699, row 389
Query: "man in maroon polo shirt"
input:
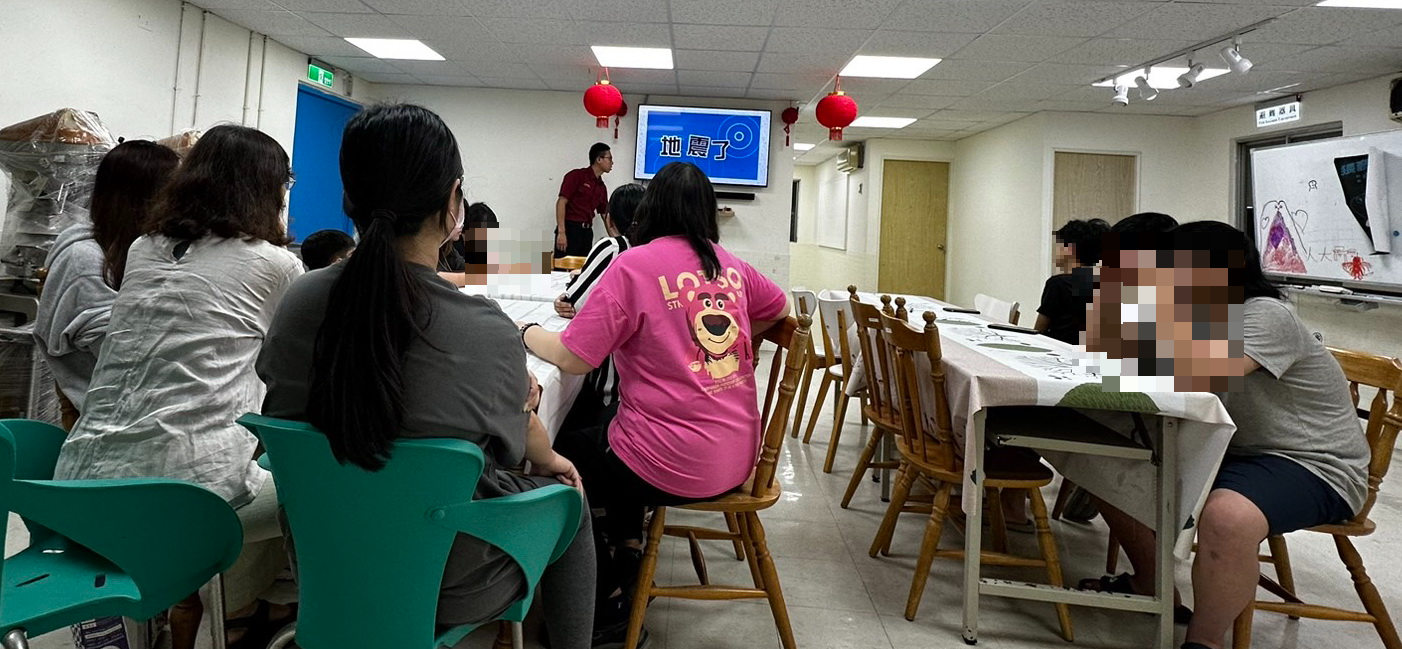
column 582, row 193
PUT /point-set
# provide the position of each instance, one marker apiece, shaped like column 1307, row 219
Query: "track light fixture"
column 1190, row 78
column 1121, row 95
column 1232, row 55
column 1146, row 91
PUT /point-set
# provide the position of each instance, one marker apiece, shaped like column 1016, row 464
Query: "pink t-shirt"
column 687, row 420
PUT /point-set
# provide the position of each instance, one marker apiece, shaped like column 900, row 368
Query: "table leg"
column 973, row 527
column 1166, row 442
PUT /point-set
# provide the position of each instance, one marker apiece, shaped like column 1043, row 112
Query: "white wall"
column 517, row 144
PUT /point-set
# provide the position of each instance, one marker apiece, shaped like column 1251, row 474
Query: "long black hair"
column 1227, row 247
column 230, row 185
column 123, row 194
column 681, row 201
column 399, row 167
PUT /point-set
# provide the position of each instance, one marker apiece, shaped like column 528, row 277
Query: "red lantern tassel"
column 786, row 135
column 616, row 120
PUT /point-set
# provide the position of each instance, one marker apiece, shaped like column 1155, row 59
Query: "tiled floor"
column 839, row 597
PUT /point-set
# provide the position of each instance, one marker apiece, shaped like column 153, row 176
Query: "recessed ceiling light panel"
column 650, row 58
column 1363, row 4
column 887, row 67
column 867, row 121
column 1163, row 78
column 802, row 146
column 396, row 48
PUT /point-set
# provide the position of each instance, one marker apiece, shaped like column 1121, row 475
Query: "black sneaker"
column 627, row 563
column 616, row 636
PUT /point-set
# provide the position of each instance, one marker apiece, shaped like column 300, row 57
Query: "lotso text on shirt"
column 712, row 309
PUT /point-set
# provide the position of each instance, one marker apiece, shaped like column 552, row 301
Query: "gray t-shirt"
column 1297, row 405
column 465, row 379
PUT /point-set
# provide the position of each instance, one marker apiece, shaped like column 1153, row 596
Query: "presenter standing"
column 582, row 194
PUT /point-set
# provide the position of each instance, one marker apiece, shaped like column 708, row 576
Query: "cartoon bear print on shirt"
column 716, row 332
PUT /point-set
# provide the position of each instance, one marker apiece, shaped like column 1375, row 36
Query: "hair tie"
column 388, row 215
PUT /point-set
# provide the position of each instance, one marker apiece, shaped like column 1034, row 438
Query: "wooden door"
column 1092, row 186
column 914, row 214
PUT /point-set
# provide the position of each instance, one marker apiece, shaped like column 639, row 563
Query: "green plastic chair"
column 99, row 548
column 371, row 547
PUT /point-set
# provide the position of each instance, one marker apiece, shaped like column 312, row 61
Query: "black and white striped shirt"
column 604, row 379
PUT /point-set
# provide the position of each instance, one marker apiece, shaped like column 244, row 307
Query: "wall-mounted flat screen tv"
column 730, row 145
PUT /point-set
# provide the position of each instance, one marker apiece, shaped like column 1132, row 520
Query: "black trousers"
column 579, row 239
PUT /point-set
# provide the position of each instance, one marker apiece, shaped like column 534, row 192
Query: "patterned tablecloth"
column 534, row 288
column 988, row 368
column 557, row 389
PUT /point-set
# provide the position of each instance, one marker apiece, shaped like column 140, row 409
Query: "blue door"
column 316, row 150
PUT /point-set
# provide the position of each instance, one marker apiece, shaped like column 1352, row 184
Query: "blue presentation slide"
column 731, row 146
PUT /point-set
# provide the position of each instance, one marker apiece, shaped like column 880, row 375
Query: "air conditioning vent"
column 851, row 159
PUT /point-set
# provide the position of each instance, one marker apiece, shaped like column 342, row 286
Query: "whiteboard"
column 1331, row 211
column 832, row 207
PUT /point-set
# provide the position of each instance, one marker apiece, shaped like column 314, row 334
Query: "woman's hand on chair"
column 560, row 468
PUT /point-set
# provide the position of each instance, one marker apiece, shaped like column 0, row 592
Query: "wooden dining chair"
column 568, row 263
column 758, row 493
column 819, row 359
column 1000, row 310
column 1384, row 416
column 881, row 392
column 927, row 450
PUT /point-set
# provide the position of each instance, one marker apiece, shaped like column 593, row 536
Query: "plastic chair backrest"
column 1384, row 413
column 790, row 335
column 920, row 384
column 166, row 537
column 835, row 315
column 371, row 546
column 1000, row 310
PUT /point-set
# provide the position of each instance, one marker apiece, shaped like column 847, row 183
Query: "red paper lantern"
column 789, row 116
column 618, row 117
column 836, row 111
column 602, row 100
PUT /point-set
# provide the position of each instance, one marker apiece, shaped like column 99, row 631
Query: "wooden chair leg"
column 864, row 410
column 1062, row 497
column 823, row 387
column 751, row 553
column 1367, row 592
column 934, row 528
column 997, row 522
column 734, row 526
column 1112, row 554
column 1280, row 557
column 755, row 532
column 1241, row 628
column 1053, row 559
column 646, row 573
column 838, row 422
column 882, row 543
column 802, row 399
column 504, row 634
column 863, row 464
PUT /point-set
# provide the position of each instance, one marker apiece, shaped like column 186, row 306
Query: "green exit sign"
column 320, row 75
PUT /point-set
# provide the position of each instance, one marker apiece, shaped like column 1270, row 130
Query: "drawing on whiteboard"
column 1314, row 184
column 1283, row 227
column 1357, row 268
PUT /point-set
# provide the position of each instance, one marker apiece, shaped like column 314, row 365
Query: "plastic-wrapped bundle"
column 181, row 142
column 27, row 389
column 51, row 161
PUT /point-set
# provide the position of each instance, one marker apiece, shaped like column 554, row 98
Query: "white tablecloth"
column 557, row 389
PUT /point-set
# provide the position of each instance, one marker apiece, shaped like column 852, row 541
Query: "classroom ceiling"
column 1003, row 59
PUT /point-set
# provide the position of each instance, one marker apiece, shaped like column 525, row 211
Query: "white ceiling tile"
column 362, row 65
column 357, row 25
column 1258, row 52
column 912, row 43
column 338, row 6
column 937, row 124
column 1017, row 47
column 858, row 14
column 959, row 70
column 1073, row 18
column 418, row 7
column 1067, row 73
column 566, row 85
column 1119, row 51
column 883, row 110
column 1195, row 21
column 487, row 50
column 542, row 31
column 575, row 73
column 1156, row 108
column 446, row 29
column 715, row 60
column 1341, row 59
column 405, row 79
column 517, row 8
column 627, row 34
column 809, row 83
column 715, row 37
column 321, row 46
column 725, row 12
column 857, row 86
column 781, row 95
column 514, row 83
column 434, row 68
column 1186, row 97
column 1262, row 80
column 711, row 91
column 624, row 76
column 556, row 54
column 651, row 89
column 828, row 64
column 500, row 70
column 439, row 80
column 1324, row 25
column 1022, row 90
column 946, row 87
column 733, row 80
column 1388, row 37
column 1072, row 106
column 966, row 115
column 813, row 40
column 952, row 15
column 993, row 105
column 273, row 23
column 241, row 5
column 654, row 11
column 902, row 100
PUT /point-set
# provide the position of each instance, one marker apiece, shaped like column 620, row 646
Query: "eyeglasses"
column 291, row 180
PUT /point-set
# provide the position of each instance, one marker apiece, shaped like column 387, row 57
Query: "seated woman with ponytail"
column 380, row 347
column 677, row 312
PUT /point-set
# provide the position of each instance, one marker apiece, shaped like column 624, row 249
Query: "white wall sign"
column 1278, row 114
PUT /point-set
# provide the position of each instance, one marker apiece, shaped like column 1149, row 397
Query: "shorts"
column 1291, row 497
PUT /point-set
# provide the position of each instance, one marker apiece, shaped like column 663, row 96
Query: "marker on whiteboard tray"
column 1337, row 290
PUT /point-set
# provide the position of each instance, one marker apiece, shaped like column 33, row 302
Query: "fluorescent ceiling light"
column 652, row 58
column 882, row 122
column 887, row 67
column 1363, row 4
column 396, row 48
column 802, row 146
column 1163, row 78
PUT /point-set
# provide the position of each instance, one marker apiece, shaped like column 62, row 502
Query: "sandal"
column 1121, row 584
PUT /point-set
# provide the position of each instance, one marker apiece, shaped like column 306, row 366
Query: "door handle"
column 940, row 247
